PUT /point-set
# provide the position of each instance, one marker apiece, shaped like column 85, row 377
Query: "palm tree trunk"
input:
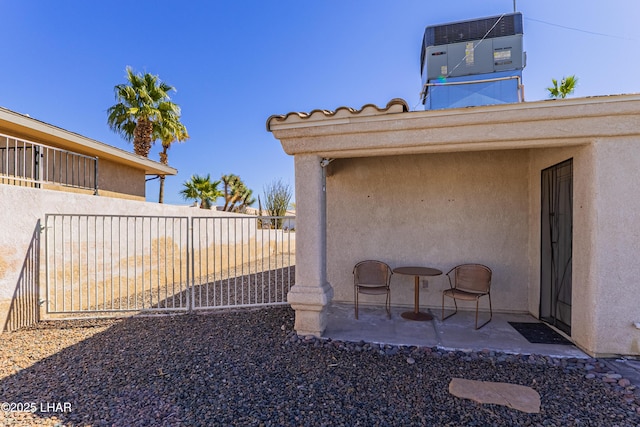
column 164, row 161
column 142, row 135
column 161, row 195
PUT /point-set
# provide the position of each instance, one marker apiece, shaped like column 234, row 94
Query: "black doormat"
column 539, row 333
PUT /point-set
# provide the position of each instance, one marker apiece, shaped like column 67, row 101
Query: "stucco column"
column 311, row 293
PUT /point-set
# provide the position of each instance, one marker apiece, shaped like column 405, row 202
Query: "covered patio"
column 446, row 187
column 456, row 333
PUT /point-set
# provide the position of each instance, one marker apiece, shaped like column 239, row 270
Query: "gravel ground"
column 249, row 368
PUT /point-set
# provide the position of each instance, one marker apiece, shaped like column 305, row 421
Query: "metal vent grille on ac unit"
column 457, row 32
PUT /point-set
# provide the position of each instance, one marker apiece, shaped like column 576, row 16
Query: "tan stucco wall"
column 114, row 178
column 101, row 193
column 22, row 207
column 435, row 210
column 616, row 235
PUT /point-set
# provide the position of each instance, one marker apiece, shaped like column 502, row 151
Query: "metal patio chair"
column 372, row 278
column 468, row 282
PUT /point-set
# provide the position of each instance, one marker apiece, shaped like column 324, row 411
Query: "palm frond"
column 145, row 99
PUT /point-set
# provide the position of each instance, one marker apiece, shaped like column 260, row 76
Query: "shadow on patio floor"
column 455, row 333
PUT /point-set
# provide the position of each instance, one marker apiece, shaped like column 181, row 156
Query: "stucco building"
column 45, row 169
column 545, row 193
column 37, row 154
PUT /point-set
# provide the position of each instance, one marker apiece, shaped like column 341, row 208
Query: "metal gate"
column 131, row 263
column 557, row 245
column 242, row 261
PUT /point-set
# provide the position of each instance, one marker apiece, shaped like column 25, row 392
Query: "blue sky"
column 236, row 63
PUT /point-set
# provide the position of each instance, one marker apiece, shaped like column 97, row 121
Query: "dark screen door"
column 556, row 245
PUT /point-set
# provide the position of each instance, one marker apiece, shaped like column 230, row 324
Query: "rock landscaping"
column 249, row 368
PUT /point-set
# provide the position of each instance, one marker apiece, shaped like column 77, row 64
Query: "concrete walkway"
column 456, row 333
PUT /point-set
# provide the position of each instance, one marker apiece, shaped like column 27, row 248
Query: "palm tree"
column 143, row 108
column 201, row 187
column 171, row 131
column 566, row 87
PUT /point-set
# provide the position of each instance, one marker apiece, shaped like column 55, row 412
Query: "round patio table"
column 416, row 314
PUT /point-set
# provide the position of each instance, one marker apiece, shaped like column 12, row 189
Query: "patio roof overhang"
column 22, row 126
column 604, row 130
column 393, row 130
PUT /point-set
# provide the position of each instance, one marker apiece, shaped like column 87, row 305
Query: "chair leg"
column 490, row 308
column 477, row 302
column 490, row 312
column 387, row 305
column 355, row 298
column 454, row 303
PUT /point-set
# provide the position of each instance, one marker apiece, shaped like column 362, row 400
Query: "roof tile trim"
column 366, row 110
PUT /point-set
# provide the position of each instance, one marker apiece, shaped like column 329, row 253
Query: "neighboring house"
column 545, row 193
column 287, row 223
column 37, row 154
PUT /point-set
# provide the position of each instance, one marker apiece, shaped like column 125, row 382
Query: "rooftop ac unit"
column 478, row 48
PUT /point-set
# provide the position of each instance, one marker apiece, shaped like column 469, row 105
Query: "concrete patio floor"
column 456, row 333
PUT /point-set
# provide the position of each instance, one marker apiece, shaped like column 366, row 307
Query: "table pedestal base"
column 420, row 316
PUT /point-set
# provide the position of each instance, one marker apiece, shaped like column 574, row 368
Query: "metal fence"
column 27, row 163
column 240, row 262
column 109, row 263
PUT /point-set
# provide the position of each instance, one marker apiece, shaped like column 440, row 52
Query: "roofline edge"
column 329, row 113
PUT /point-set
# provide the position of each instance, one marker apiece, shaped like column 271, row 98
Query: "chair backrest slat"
column 372, row 272
column 473, row 278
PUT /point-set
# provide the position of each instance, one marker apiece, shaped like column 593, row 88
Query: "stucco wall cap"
column 396, row 105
